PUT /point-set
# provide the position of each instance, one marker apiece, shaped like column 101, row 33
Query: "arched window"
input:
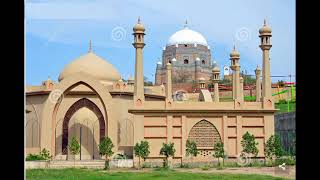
column 186, row 61
column 185, row 45
column 203, row 62
column 170, row 61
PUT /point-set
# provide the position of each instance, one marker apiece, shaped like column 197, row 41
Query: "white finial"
column 139, row 20
column 90, row 46
column 265, row 21
column 186, row 24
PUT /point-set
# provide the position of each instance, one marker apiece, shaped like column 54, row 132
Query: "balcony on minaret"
column 202, row 83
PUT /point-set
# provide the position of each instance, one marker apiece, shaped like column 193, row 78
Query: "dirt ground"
column 289, row 172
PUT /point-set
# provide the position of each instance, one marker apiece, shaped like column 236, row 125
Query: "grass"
column 284, row 107
column 88, row 174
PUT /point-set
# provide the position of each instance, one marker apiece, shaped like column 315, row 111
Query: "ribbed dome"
column 93, row 65
column 187, row 36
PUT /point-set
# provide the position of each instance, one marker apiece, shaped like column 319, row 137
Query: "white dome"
column 187, row 36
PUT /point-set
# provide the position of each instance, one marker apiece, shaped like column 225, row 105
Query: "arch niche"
column 204, row 134
column 50, row 109
column 84, row 102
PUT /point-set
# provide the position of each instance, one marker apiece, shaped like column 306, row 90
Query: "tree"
column 105, row 149
column 191, row 149
column 219, row 152
column 273, row 148
column 142, row 150
column 74, row 148
column 249, row 145
column 167, row 150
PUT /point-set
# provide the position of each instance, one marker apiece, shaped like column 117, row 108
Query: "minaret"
column 158, row 73
column 90, row 46
column 215, row 79
column 265, row 36
column 234, row 57
column 241, row 89
column 138, row 33
column 168, row 83
column 197, row 70
column 258, row 84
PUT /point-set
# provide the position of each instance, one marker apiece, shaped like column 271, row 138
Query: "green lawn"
column 284, row 107
column 87, row 174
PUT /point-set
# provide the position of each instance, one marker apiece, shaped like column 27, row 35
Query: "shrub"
column 249, row 145
column 167, row 150
column 273, row 149
column 34, row 157
column 74, row 148
column 287, row 160
column 282, row 101
column 44, row 155
column 105, row 149
column 205, row 167
column 142, row 150
column 219, row 152
column 191, row 149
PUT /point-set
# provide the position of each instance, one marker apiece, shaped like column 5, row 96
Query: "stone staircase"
column 95, row 164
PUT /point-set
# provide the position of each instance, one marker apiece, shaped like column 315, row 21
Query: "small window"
column 203, row 62
column 186, row 61
column 170, row 62
column 185, row 45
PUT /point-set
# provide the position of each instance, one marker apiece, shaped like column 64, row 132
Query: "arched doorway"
column 205, row 135
column 80, row 121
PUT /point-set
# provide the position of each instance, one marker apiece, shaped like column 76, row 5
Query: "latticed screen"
column 204, row 134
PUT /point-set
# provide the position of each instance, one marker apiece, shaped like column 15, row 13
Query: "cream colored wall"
column 66, row 103
column 158, row 128
column 33, row 122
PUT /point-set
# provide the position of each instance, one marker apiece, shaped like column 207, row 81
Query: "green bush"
column 287, row 160
column 44, row 155
column 205, row 167
column 282, row 101
column 34, row 157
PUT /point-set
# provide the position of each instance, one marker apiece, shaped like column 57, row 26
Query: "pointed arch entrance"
column 84, row 102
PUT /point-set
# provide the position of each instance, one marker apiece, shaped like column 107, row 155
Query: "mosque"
column 91, row 101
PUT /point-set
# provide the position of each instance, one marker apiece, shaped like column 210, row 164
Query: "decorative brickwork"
column 204, row 134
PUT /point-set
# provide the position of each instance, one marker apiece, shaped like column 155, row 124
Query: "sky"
column 58, row 31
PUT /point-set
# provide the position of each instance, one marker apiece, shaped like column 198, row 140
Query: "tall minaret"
column 138, row 33
column 241, row 89
column 158, row 73
column 215, row 80
column 265, row 36
column 168, row 82
column 234, row 57
column 258, row 84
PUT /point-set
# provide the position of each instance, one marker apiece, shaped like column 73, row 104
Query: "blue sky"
column 58, row 31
